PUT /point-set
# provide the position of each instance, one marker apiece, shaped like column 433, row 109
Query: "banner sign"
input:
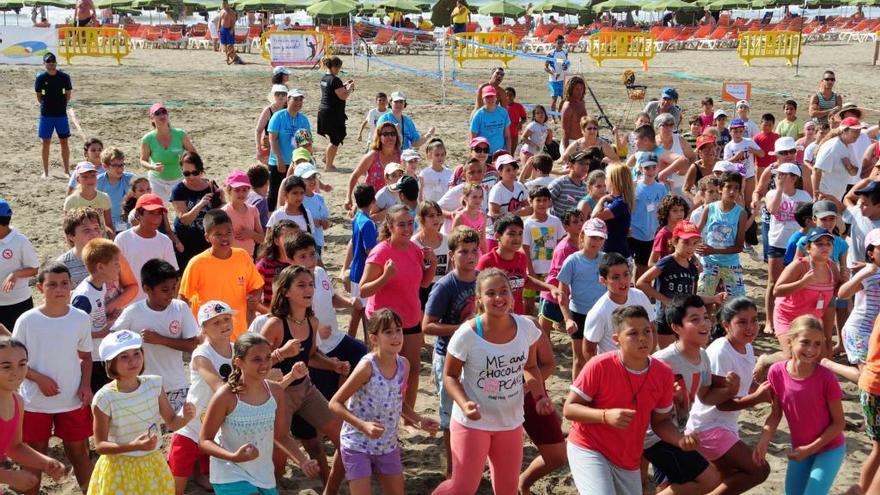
column 295, row 48
column 735, row 91
column 26, row 45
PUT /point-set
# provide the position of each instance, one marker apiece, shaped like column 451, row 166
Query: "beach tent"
column 502, row 8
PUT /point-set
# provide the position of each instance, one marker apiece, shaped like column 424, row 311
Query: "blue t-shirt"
column 720, row 232
column 363, row 237
column 452, row 300
column 581, row 274
column 317, row 208
column 491, row 125
column 838, row 248
column 644, row 216
column 286, row 126
column 117, row 193
column 791, row 247
column 408, row 129
column 618, row 227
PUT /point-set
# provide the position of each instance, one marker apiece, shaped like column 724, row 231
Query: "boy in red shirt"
column 612, row 402
column 509, row 258
column 518, row 116
column 766, row 139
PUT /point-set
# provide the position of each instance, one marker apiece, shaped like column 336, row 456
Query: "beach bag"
column 552, row 149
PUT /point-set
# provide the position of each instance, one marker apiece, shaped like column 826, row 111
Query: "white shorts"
column 593, row 473
column 356, row 293
column 162, row 188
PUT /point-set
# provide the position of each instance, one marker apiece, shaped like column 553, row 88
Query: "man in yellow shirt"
column 460, row 17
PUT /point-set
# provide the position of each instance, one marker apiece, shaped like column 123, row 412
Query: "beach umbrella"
column 404, row 6
column 262, row 5
column 502, row 8
column 331, row 8
column 112, row 4
column 729, row 4
column 63, row 4
column 616, row 6
column 662, row 5
column 863, row 3
column 563, row 7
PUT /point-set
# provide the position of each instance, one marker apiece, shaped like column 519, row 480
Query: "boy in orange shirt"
column 224, row 273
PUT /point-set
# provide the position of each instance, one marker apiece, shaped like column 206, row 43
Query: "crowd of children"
column 633, row 249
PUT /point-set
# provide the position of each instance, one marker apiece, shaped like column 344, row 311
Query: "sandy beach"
column 218, row 104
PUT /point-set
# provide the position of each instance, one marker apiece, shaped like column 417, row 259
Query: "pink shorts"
column 715, row 442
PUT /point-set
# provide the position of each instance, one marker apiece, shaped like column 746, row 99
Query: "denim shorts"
column 775, row 252
column 445, row 400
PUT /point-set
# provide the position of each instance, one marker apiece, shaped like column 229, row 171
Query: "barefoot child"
column 549, row 312
column 246, row 419
column 671, row 210
column 809, row 397
column 612, row 402
column 717, row 426
column 371, row 405
column 13, row 368
column 209, row 368
column 246, row 227
column 126, row 413
column 541, row 232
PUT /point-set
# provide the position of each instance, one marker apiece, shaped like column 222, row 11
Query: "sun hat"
column 393, row 167
column 83, row 167
column 686, row 230
column 817, row 233
column 276, row 88
column 398, row 96
column 155, row 107
column 118, row 342
column 237, row 178
column 305, row 170
column 851, row 123
column 824, row 208
column 872, row 238
column 301, row 155
column 719, row 113
column 295, row 93
column 479, row 140
column 784, row 143
column 850, row 107
column 213, row 309
column 280, row 70
column 788, row 168
column 595, row 227
column 150, row 202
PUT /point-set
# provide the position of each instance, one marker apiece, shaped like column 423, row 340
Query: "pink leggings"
column 470, row 447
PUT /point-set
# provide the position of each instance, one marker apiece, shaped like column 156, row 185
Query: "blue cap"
column 669, row 93
column 646, row 159
column 872, row 186
column 5, row 210
column 737, row 123
column 818, row 232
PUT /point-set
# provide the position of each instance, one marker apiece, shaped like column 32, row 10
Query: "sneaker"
column 753, row 254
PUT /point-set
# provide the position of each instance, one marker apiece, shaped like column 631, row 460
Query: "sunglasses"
column 480, row 149
column 160, row 112
column 832, row 79
column 388, row 134
column 786, row 152
column 191, row 174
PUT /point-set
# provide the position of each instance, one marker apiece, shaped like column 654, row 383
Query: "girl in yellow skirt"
column 126, row 423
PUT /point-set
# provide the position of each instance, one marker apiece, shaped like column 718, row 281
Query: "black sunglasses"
column 191, row 174
column 388, row 134
column 160, row 112
column 481, row 149
column 832, row 79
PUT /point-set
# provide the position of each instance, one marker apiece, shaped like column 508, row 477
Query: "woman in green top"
column 160, row 152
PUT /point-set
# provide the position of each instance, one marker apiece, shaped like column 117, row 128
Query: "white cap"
column 719, row 113
column 410, row 154
column 743, row 103
column 397, row 96
column 788, row 168
column 305, row 170
column 213, row 309
column 784, row 143
column 393, row 167
column 280, row 70
column 295, row 93
column 279, row 88
column 83, row 167
column 118, row 342
column 725, row 166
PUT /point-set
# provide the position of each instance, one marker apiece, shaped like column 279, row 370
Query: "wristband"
column 603, row 416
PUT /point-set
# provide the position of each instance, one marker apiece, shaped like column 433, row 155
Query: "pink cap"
column 237, row 178
column 156, row 107
column 595, row 227
column 872, row 239
column 479, row 140
column 489, row 91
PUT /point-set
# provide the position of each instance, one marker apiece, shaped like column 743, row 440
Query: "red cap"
column 704, row 140
column 156, row 107
column 489, row 91
column 851, row 123
column 686, row 230
column 150, row 202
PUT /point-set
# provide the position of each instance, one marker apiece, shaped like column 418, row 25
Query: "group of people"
column 630, row 245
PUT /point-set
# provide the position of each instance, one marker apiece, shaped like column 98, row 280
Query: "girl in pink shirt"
column 248, row 232
column 472, row 214
column 13, row 367
column 393, row 274
column 809, row 396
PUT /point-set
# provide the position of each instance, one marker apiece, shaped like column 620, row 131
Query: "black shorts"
column 332, row 127
column 677, row 465
column 663, row 327
column 641, row 250
column 413, row 330
column 580, row 319
column 84, row 22
column 9, row 314
column 301, row 429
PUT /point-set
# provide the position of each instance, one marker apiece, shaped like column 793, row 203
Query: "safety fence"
column 93, row 42
column 621, row 46
column 769, row 44
column 462, row 52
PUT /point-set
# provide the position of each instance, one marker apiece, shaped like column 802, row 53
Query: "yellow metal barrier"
column 461, row 52
column 306, row 54
column 93, row 42
column 625, row 45
column 769, row 44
